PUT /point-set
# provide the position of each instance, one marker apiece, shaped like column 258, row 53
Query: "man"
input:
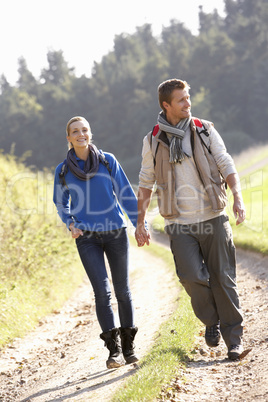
column 188, row 161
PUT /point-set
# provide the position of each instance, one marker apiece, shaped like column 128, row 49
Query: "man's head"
column 174, row 99
column 166, row 88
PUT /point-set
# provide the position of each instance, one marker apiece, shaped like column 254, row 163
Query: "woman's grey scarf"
column 91, row 164
column 177, row 132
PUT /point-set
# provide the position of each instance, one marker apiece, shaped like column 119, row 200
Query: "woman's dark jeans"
column 91, row 247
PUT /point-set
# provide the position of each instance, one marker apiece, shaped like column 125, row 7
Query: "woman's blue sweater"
column 95, row 204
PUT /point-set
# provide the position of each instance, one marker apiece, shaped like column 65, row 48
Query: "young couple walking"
column 187, row 160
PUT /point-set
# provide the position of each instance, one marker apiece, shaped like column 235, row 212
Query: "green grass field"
column 253, row 233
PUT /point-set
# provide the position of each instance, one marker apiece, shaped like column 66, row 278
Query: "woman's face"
column 79, row 134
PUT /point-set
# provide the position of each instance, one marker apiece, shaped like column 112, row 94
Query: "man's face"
column 180, row 106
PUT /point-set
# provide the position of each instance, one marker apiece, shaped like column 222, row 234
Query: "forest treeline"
column 226, row 65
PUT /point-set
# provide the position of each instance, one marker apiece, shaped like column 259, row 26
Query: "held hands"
column 142, row 235
column 75, row 231
column 239, row 209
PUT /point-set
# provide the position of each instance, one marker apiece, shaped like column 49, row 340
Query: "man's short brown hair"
column 166, row 88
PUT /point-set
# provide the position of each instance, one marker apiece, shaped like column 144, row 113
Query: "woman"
column 89, row 189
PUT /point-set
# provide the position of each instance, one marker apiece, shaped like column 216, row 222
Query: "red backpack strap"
column 153, row 146
column 155, row 130
column 197, row 122
column 200, row 125
column 201, row 129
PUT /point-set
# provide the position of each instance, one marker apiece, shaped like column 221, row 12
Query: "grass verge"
column 253, row 233
column 39, row 267
column 171, row 349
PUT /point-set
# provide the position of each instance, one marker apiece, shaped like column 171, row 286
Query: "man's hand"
column 142, row 235
column 75, row 231
column 239, row 209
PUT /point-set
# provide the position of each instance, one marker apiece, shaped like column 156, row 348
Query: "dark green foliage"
column 226, row 65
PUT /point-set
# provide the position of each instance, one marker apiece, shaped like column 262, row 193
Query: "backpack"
column 64, row 168
column 200, row 129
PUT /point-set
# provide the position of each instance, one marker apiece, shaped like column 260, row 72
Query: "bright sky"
column 83, row 29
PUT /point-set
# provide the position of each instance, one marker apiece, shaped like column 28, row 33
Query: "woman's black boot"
column 127, row 342
column 112, row 342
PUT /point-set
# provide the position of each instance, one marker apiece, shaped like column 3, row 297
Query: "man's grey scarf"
column 177, row 132
column 91, row 164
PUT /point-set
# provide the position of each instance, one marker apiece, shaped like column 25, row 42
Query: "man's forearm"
column 144, row 199
column 238, row 207
column 233, row 182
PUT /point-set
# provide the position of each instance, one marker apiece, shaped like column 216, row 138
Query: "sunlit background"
column 30, row 28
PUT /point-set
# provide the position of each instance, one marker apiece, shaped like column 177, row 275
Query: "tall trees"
column 176, row 48
column 246, row 24
column 26, row 81
column 19, row 113
column 226, row 65
column 58, row 72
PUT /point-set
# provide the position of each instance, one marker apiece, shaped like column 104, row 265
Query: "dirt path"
column 64, row 359
column 210, row 376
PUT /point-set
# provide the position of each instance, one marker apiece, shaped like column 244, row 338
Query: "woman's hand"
column 75, row 231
